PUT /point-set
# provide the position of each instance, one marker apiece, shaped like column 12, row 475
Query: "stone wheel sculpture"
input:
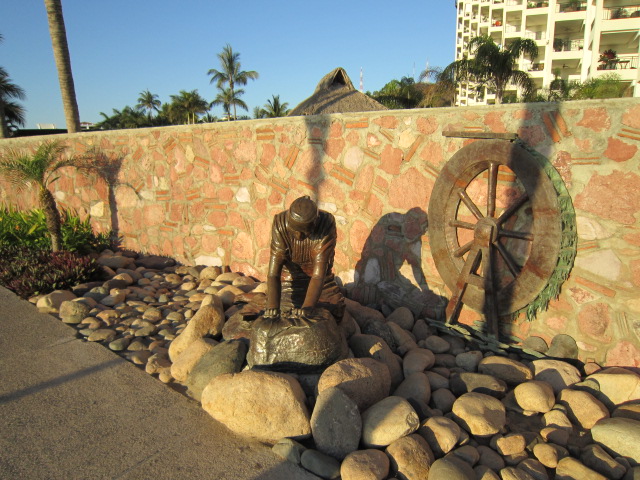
column 495, row 229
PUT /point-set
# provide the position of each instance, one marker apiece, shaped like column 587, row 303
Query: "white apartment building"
column 571, row 36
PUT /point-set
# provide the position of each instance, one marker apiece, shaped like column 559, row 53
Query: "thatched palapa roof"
column 335, row 94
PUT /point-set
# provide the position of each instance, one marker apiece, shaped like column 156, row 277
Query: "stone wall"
column 205, row 194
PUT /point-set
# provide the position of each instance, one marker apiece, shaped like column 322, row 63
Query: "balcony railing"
column 536, row 4
column 513, row 3
column 560, row 45
column 623, row 62
column 512, row 29
column 536, row 67
column 539, row 35
column 574, row 6
column 615, row 13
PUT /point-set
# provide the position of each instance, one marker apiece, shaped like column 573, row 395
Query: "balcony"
column 623, row 62
column 560, row 45
column 531, row 4
column 536, row 67
column 510, row 29
column 620, row 12
column 535, row 35
column 572, row 6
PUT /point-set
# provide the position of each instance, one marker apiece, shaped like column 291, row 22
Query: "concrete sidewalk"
column 71, row 409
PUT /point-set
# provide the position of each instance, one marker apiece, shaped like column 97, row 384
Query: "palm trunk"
column 63, row 63
column 4, row 131
column 232, row 98
column 52, row 218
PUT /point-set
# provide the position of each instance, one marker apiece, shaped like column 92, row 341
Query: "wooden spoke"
column 491, row 194
column 455, row 303
column 490, row 299
column 512, row 234
column 460, row 224
column 469, row 203
column 508, row 259
column 463, row 249
column 513, row 208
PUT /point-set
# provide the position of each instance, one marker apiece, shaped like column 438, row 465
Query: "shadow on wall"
column 108, row 167
column 389, row 273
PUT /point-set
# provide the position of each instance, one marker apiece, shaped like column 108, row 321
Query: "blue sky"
column 121, row 47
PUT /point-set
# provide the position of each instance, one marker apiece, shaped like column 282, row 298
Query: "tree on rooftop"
column 493, row 65
column 39, row 169
column 63, row 63
column 231, row 74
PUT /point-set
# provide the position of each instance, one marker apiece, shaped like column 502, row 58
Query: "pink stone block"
column 596, row 119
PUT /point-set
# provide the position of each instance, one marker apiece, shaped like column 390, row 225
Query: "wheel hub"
column 485, row 232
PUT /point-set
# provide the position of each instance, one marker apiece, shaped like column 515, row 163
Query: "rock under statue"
column 299, row 327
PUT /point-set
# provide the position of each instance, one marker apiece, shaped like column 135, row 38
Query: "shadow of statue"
column 389, row 273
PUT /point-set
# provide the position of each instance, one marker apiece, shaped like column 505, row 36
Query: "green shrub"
column 30, row 271
column 29, row 229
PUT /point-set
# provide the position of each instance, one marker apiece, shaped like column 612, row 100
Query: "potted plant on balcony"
column 558, row 44
column 573, row 6
column 619, row 13
column 608, row 60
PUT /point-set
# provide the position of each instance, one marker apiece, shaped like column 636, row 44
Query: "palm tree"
column 38, row 169
column 438, row 94
column 231, row 73
column 148, row 102
column 9, row 110
column 63, row 63
column 14, row 115
column 229, row 98
column 493, row 65
column 398, row 94
column 188, row 105
column 259, row 112
column 273, row 108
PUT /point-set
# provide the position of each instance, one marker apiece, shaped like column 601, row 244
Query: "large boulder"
column 619, row 436
column 182, row 366
column 375, row 347
column 479, row 414
column 557, row 373
column 336, row 425
column 616, row 385
column 74, row 311
column 226, row 357
column 208, row 320
column 583, row 408
column 441, row 433
column 365, row 380
column 367, row 464
column 387, row 421
column 451, row 468
column 506, row 369
column 264, row 405
column 410, row 457
column 535, row 396
column 570, row 468
column 51, row 302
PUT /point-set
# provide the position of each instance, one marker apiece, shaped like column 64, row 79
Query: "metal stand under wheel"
column 495, row 229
